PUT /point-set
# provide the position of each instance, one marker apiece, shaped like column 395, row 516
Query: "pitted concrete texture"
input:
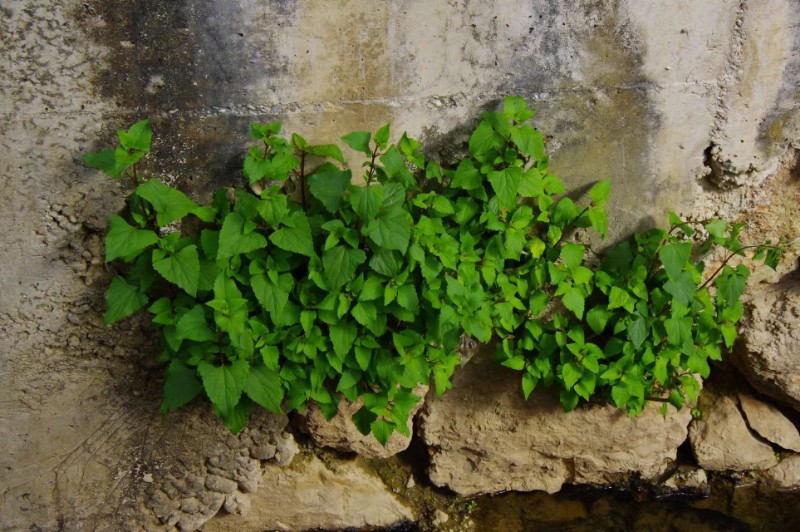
column 685, row 108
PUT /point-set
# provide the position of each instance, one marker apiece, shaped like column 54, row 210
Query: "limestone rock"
column 312, row 496
column 721, row 439
column 768, row 350
column 341, row 433
column 484, row 437
column 769, row 423
column 785, row 475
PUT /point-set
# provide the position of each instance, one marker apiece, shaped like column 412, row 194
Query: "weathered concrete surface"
column 485, row 438
column 73, row 427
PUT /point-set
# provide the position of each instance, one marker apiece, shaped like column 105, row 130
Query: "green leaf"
column 515, row 108
column 328, row 185
column 564, row 213
column 529, row 383
column 272, row 297
column 597, row 318
column 569, row 400
column 682, row 288
column 363, row 357
column 224, row 384
column 181, row 385
column 263, row 385
column 382, row 430
column 572, row 255
column 674, row 258
column 382, row 137
column 526, row 139
column 274, row 207
column 599, row 192
column 366, row 201
column 571, row 373
column 728, row 334
column 126, row 241
column 638, row 331
column 170, row 204
column 106, row 161
column 517, row 363
column 467, row 176
column 331, row 151
column 407, row 298
column 363, row 420
column 296, row 238
column 275, row 167
column 233, row 239
column 731, row 284
column 343, row 335
column 122, row 300
column 391, row 229
column 264, row 131
column 505, row 184
column 585, row 387
column 181, row 268
column 339, row 265
column 483, row 140
column 236, row 419
column 573, row 299
column 359, row 141
column 717, row 228
column 599, row 220
column 138, row 136
column 299, row 142
column 618, row 298
column 193, row 326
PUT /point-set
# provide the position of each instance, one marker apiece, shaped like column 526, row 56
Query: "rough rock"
column 313, row 495
column 686, row 481
column 202, row 469
column 721, row 440
column 341, row 433
column 769, row 423
column 785, row 475
column 484, row 437
column 768, row 350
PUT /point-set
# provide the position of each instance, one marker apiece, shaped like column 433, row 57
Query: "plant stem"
column 303, row 179
column 372, row 166
column 568, row 227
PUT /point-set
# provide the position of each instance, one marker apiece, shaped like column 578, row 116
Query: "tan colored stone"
column 341, row 433
column 769, row 423
column 768, row 350
column 484, row 437
column 785, row 475
column 311, row 496
column 721, row 439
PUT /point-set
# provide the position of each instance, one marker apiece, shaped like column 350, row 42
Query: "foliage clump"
column 304, row 287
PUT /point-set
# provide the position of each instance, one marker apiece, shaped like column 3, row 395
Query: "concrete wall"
column 685, row 105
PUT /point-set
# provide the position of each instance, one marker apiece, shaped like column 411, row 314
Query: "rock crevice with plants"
column 304, row 290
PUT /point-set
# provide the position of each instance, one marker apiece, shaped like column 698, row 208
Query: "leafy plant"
column 309, row 288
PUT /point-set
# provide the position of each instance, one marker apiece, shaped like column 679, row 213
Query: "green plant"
column 268, row 298
column 307, row 288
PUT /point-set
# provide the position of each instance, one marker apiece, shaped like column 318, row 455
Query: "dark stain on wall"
column 185, row 64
